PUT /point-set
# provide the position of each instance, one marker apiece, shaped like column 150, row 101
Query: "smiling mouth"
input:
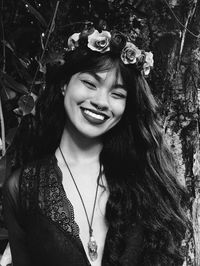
column 94, row 116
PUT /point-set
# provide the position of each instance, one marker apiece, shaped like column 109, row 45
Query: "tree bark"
column 174, row 27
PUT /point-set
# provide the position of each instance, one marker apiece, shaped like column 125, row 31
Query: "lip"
column 92, row 119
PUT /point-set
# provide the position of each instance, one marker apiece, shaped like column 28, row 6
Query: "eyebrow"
column 99, row 79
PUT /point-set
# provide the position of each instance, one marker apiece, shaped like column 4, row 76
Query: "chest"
column 52, row 235
column 89, row 205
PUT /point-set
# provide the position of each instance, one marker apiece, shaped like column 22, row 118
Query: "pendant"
column 92, row 249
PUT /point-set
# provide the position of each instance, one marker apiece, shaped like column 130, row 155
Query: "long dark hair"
column 138, row 165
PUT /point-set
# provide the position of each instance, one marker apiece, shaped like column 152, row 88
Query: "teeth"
column 94, row 115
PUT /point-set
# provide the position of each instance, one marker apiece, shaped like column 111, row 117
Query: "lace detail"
column 42, row 188
column 28, row 187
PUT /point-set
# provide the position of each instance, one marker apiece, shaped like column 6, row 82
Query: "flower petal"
column 73, row 41
column 99, row 41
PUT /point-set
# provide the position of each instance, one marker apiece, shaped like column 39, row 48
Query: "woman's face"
column 94, row 103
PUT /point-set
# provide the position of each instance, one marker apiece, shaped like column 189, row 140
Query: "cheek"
column 119, row 108
column 72, row 96
column 70, row 102
column 76, row 94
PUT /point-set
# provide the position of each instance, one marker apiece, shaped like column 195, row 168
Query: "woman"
column 96, row 184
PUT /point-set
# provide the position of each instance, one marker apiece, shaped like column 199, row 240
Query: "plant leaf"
column 7, row 93
column 3, row 170
column 36, row 14
column 7, row 81
column 10, row 135
column 18, row 111
column 26, row 104
column 7, row 44
column 22, row 69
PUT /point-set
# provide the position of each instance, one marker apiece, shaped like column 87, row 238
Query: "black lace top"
column 40, row 220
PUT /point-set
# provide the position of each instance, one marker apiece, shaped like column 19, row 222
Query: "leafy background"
column 35, row 32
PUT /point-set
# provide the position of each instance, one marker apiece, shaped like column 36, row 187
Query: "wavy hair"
column 138, row 165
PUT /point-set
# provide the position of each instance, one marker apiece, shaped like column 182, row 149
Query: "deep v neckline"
column 59, row 176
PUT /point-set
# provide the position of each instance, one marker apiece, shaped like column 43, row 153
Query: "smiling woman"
column 97, row 184
column 94, row 103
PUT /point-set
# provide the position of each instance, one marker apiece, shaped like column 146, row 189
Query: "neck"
column 80, row 149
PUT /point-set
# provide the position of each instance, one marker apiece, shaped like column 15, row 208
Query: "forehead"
column 112, row 75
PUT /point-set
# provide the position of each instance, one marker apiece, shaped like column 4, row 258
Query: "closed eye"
column 119, row 95
column 88, row 83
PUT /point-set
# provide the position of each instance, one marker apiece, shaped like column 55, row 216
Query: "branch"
column 3, row 69
column 46, row 43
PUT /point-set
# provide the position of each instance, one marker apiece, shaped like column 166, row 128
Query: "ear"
column 63, row 89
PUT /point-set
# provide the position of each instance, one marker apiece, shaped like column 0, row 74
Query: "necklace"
column 92, row 245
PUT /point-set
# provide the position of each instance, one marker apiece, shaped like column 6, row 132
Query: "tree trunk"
column 176, row 80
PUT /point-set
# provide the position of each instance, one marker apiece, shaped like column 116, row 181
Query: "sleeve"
column 13, row 220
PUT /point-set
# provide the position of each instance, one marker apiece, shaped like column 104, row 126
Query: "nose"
column 100, row 101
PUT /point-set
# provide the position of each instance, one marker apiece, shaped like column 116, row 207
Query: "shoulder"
column 33, row 173
column 17, row 179
column 35, row 168
column 11, row 185
column 24, row 179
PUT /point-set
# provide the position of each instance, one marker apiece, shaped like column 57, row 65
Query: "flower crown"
column 115, row 41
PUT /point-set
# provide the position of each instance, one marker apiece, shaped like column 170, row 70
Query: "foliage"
column 35, row 33
column 32, row 37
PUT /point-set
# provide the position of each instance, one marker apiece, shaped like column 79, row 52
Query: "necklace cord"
column 96, row 192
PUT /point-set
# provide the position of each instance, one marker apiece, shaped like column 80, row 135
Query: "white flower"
column 73, row 41
column 148, row 63
column 149, row 58
column 99, row 41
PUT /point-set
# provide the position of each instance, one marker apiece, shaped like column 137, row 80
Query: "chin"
column 92, row 135
column 92, row 132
